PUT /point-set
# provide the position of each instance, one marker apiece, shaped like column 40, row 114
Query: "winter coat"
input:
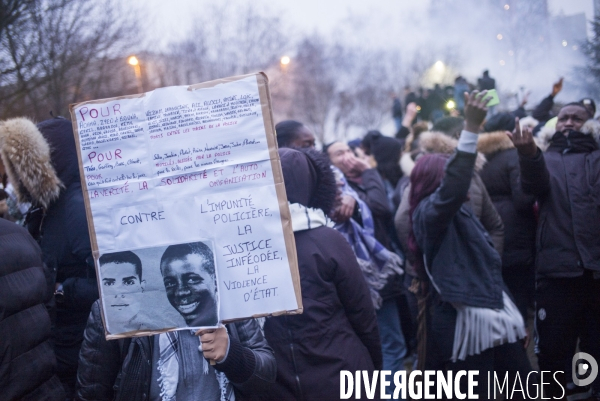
column 372, row 192
column 459, row 254
column 337, row 329
column 27, row 361
column 501, row 178
column 567, row 187
column 481, row 204
column 338, row 316
column 122, row 369
column 43, row 166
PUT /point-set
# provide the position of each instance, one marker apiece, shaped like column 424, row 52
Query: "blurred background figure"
column 292, row 134
column 460, row 87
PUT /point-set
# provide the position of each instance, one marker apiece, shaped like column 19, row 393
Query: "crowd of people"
column 430, row 250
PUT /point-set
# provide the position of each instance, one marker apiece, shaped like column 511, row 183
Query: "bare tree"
column 314, row 83
column 252, row 39
column 60, row 53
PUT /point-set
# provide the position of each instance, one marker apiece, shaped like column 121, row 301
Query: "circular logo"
column 584, row 369
column 542, row 313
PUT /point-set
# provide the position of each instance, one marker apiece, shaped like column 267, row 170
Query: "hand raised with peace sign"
column 523, row 140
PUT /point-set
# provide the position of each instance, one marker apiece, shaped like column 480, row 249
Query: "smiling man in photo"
column 188, row 272
column 121, row 284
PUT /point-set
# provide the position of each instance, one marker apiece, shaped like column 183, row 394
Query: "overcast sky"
column 174, row 17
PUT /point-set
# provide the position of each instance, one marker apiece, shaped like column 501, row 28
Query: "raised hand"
column 523, row 140
column 411, row 113
column 475, row 110
column 352, row 166
column 557, row 87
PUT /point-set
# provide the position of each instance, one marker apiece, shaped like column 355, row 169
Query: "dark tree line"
column 56, row 52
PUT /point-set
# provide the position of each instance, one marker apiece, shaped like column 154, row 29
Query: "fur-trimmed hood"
column 591, row 127
column 26, row 157
column 433, row 142
column 494, row 142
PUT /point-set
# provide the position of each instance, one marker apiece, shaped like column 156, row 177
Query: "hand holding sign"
column 215, row 343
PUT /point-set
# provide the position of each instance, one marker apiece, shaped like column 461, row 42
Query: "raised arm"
column 523, row 202
column 436, row 211
column 542, row 110
column 535, row 179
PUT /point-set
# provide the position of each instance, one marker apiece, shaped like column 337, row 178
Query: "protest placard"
column 186, row 206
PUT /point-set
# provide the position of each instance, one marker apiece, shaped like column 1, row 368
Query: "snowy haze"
column 465, row 40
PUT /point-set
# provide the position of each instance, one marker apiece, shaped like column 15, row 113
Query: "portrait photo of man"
column 188, row 272
column 122, row 284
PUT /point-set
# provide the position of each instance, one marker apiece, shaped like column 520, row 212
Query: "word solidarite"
column 433, row 385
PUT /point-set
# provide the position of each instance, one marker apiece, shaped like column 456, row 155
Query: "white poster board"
column 176, row 180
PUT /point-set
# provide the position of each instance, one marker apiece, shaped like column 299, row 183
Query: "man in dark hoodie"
column 566, row 182
column 57, row 220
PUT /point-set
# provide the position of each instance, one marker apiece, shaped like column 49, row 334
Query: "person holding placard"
column 175, row 365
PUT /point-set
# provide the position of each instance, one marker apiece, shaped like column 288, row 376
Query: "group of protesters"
column 427, row 250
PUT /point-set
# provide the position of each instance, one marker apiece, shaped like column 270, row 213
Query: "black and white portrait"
column 188, row 272
column 158, row 288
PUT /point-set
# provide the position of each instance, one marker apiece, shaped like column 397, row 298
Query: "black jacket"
column 543, row 111
column 486, row 83
column 567, row 186
column 27, row 361
column 459, row 253
column 337, row 329
column 122, row 369
column 372, row 192
column 501, row 178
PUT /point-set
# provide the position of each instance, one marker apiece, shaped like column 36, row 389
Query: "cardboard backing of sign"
column 267, row 116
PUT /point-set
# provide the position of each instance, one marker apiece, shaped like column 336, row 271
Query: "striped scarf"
column 377, row 263
column 169, row 364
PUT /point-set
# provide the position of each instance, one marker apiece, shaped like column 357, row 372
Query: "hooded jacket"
column 27, row 361
column 42, row 165
column 501, row 178
column 338, row 327
column 566, row 182
column 479, row 199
